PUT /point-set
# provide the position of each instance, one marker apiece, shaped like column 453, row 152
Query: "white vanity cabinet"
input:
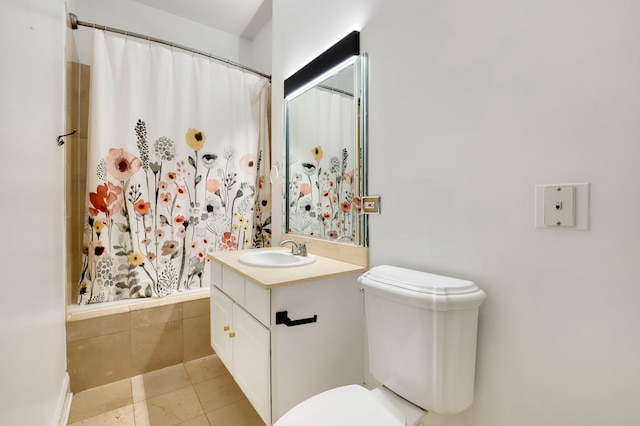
column 242, row 343
column 278, row 366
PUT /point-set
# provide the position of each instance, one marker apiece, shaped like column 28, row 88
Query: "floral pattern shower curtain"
column 177, row 162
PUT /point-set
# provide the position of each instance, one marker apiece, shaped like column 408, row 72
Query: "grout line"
column 133, row 404
column 197, row 396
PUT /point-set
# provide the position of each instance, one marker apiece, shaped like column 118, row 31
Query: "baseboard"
column 64, row 402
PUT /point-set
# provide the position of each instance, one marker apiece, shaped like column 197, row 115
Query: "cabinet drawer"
column 216, row 274
column 233, row 285
column 258, row 302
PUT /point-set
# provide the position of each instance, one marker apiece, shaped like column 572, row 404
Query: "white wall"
column 32, row 335
column 136, row 17
column 257, row 53
column 471, row 105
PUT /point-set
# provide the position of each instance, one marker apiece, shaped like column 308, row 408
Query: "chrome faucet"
column 296, row 249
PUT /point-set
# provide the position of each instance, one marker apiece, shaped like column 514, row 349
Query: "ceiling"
column 243, row 18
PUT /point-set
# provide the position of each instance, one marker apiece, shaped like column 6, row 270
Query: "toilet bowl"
column 421, row 335
column 353, row 405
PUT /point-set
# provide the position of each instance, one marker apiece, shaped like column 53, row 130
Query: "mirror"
column 325, row 146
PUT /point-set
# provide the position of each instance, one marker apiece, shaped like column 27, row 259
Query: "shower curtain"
column 177, row 162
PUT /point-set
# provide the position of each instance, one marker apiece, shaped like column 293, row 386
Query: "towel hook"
column 60, row 141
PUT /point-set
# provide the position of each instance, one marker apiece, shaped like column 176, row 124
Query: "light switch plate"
column 563, row 206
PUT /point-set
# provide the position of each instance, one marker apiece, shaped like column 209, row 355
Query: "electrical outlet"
column 371, row 205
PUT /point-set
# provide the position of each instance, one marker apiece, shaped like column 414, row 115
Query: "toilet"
column 421, row 333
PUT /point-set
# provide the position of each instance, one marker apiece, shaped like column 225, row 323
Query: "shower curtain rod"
column 75, row 23
column 335, row 90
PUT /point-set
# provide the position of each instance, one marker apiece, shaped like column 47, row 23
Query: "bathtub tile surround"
column 118, row 345
column 100, row 326
column 98, row 360
column 156, row 346
column 197, row 392
column 154, row 316
column 195, row 336
column 76, row 172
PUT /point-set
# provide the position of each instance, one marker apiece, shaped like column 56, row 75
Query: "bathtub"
column 84, row 312
column 111, row 341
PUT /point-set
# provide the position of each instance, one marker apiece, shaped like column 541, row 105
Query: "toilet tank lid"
column 445, row 292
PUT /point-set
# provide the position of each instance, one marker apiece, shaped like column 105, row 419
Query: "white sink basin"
column 275, row 259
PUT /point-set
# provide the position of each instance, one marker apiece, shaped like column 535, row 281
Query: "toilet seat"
column 344, row 406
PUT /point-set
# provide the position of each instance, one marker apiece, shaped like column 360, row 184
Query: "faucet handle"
column 302, row 248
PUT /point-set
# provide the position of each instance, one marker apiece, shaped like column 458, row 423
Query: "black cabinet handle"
column 282, row 317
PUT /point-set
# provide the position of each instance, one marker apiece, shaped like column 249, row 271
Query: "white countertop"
column 323, row 267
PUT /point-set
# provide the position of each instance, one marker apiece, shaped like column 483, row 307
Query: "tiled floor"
column 199, row 392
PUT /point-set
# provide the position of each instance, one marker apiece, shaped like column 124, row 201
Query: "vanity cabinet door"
column 252, row 361
column 221, row 326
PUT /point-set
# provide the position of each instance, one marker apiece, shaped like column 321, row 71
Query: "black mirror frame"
column 335, row 55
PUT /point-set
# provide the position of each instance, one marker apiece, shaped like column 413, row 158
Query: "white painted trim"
column 64, row 402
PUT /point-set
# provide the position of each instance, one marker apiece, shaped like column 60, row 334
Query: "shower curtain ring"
column 60, row 141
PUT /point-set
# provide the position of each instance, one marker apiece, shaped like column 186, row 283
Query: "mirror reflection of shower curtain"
column 322, row 149
column 177, row 162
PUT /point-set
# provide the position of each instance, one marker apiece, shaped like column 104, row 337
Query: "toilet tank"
column 422, row 332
